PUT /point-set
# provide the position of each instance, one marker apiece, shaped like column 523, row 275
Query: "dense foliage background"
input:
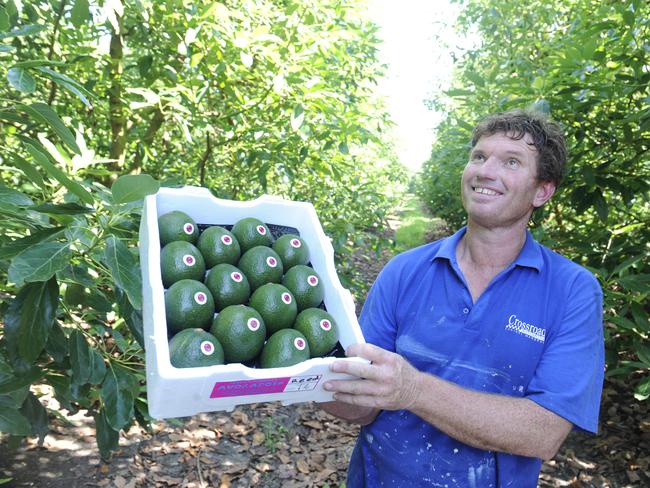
column 105, row 102
column 586, row 62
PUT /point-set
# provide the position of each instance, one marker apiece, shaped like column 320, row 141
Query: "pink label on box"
column 248, row 387
column 269, row 385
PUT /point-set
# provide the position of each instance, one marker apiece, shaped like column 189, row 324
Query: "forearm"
column 351, row 413
column 489, row 421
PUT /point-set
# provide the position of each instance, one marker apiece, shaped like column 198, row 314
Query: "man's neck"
column 482, row 247
column 483, row 253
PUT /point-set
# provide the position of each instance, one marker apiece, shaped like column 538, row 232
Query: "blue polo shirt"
column 535, row 332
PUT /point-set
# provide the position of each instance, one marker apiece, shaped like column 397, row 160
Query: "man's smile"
column 485, row 191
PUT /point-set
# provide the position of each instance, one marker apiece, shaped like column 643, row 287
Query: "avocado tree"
column 586, row 63
column 107, row 101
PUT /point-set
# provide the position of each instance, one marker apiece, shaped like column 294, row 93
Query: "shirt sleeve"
column 377, row 320
column 569, row 378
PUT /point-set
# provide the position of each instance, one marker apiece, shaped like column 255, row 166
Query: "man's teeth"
column 485, row 191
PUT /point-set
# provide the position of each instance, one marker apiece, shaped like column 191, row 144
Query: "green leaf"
column 69, row 84
column 628, row 17
column 118, row 401
column 144, row 65
column 97, row 368
column 30, row 317
column 59, row 175
column 132, row 317
column 80, row 13
column 21, row 80
column 107, row 437
column 62, row 208
column 13, row 197
column 61, row 384
column 34, row 63
column 57, row 343
column 26, row 30
column 297, row 117
column 475, row 78
column 626, row 264
column 343, row 148
column 640, row 315
column 39, row 262
column 76, row 274
column 128, row 188
column 34, row 411
column 44, row 114
column 19, row 245
column 125, row 270
column 6, row 49
column 80, row 358
column 643, row 353
column 13, row 117
column 622, row 322
column 13, row 383
column 600, row 204
column 13, row 422
column 637, row 282
column 4, row 20
column 458, row 93
column 30, row 171
column 642, row 390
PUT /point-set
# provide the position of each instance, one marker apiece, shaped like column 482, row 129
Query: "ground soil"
column 270, row 445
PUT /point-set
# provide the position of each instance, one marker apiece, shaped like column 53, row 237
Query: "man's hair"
column 547, row 136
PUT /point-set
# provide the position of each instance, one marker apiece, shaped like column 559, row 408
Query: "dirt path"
column 270, row 445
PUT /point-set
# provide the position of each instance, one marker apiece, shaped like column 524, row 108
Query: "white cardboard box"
column 176, row 392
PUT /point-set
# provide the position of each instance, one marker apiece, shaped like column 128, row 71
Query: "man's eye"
column 512, row 162
column 478, row 158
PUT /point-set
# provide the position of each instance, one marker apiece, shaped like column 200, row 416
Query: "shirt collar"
column 530, row 255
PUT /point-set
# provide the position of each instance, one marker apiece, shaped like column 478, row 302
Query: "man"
column 485, row 348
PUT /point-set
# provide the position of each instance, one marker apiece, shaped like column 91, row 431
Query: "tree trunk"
column 116, row 106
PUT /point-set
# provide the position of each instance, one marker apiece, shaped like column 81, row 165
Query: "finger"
column 367, row 351
column 354, row 368
column 353, row 387
column 361, row 400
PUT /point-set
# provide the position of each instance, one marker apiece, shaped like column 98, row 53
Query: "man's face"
column 499, row 183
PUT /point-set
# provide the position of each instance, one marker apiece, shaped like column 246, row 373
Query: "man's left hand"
column 389, row 382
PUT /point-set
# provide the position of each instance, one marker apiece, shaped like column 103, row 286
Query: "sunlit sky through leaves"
column 417, row 67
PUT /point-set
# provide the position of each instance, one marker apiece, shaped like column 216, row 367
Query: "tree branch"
column 50, row 54
column 204, row 159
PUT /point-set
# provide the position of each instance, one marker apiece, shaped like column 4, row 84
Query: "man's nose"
column 489, row 167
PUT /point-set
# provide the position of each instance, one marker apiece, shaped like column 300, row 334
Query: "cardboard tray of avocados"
column 241, row 303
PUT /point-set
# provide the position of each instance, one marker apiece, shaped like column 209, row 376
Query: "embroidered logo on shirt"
column 529, row 330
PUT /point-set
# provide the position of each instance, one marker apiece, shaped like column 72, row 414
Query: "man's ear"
column 544, row 192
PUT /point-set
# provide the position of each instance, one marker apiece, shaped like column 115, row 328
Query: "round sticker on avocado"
column 236, row 276
column 189, row 260
column 271, row 261
column 312, row 280
column 227, row 240
column 286, row 298
column 325, row 324
column 207, row 348
column 296, row 243
column 300, row 343
column 261, row 230
column 253, row 324
column 200, row 298
column 188, row 228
